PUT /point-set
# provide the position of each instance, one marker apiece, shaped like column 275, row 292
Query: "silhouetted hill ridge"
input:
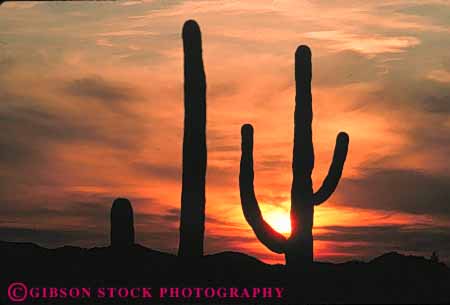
column 32, row 249
column 389, row 278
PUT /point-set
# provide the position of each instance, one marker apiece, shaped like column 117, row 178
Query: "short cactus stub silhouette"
column 192, row 220
column 298, row 248
column 122, row 223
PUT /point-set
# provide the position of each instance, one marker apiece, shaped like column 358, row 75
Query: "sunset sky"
column 91, row 108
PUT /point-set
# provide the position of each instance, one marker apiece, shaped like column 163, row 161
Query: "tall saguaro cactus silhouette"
column 298, row 248
column 192, row 220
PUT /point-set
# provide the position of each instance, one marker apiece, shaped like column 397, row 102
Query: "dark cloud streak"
column 98, row 88
column 404, row 190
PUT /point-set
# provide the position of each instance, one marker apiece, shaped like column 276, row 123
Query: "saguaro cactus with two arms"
column 298, row 248
column 192, row 220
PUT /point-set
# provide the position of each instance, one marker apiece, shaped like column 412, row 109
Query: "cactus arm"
column 263, row 231
column 335, row 172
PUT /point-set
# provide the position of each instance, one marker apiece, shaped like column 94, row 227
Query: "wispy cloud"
column 368, row 45
column 441, row 76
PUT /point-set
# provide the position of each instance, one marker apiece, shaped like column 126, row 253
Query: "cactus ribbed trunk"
column 298, row 248
column 192, row 220
column 122, row 223
column 299, row 251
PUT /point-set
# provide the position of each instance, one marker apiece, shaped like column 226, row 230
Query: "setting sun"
column 280, row 221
